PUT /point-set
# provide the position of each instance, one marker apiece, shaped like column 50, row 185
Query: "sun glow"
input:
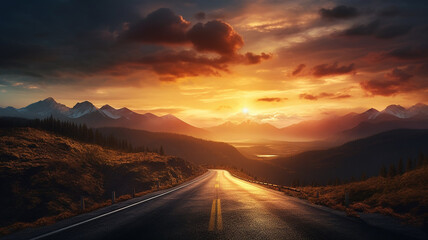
column 245, row 110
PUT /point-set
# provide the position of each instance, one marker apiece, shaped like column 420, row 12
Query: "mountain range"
column 106, row 116
column 338, row 128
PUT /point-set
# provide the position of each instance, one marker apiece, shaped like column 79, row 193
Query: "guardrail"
column 267, row 184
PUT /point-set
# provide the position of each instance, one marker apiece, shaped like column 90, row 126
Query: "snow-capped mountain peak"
column 396, row 110
column 169, row 116
column 110, row 111
column 371, row 113
column 81, row 109
column 418, row 109
column 44, row 108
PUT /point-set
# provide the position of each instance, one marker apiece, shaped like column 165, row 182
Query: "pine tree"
column 400, row 169
column 421, row 160
column 382, row 171
column 161, row 152
column 409, row 165
column 392, row 172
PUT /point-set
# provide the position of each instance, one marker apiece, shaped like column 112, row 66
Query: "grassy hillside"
column 364, row 156
column 198, row 151
column 42, row 174
column 404, row 196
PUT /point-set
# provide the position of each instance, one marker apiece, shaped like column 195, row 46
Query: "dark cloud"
column 271, row 99
column 78, row 40
column 362, row 29
column 393, row 31
column 390, row 11
column 398, row 75
column 160, row 26
column 314, row 97
column 396, row 81
column 375, row 29
column 334, row 69
column 298, row 69
column 170, row 65
column 252, row 58
column 215, row 36
column 200, row 16
column 339, row 12
column 409, row 53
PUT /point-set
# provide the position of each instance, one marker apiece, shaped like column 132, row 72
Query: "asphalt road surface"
column 213, row 206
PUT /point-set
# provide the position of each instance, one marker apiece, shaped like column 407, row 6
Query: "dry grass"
column 404, row 197
column 43, row 176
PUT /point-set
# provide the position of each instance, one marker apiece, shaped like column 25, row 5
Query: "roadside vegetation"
column 400, row 191
column 397, row 193
column 44, row 175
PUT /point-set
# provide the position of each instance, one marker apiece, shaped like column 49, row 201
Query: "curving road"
column 213, row 206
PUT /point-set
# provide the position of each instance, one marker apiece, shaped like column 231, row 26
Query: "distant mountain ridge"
column 335, row 129
column 338, row 128
column 106, row 116
column 246, row 130
column 352, row 159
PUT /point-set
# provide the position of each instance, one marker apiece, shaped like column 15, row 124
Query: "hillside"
column 354, row 158
column 365, row 129
column 197, row 151
column 43, row 174
column 403, row 196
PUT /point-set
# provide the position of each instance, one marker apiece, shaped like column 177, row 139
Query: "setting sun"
column 245, row 110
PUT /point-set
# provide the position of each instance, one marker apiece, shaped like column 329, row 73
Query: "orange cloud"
column 334, row 69
column 323, row 95
column 271, row 99
column 298, row 69
column 164, row 27
column 392, row 83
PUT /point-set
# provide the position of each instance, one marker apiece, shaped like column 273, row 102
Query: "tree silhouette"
column 392, row 172
column 409, row 165
column 78, row 132
column 421, row 160
column 383, row 172
column 400, row 168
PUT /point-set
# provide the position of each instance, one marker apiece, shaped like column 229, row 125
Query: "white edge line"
column 117, row 210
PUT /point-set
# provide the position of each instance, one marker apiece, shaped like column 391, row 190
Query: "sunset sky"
column 207, row 62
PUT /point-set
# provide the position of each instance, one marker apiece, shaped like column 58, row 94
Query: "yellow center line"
column 219, row 220
column 212, row 217
column 215, row 215
column 216, row 221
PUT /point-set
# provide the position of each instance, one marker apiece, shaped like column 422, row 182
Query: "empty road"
column 213, row 206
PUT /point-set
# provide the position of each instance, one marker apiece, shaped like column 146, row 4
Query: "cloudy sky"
column 210, row 61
